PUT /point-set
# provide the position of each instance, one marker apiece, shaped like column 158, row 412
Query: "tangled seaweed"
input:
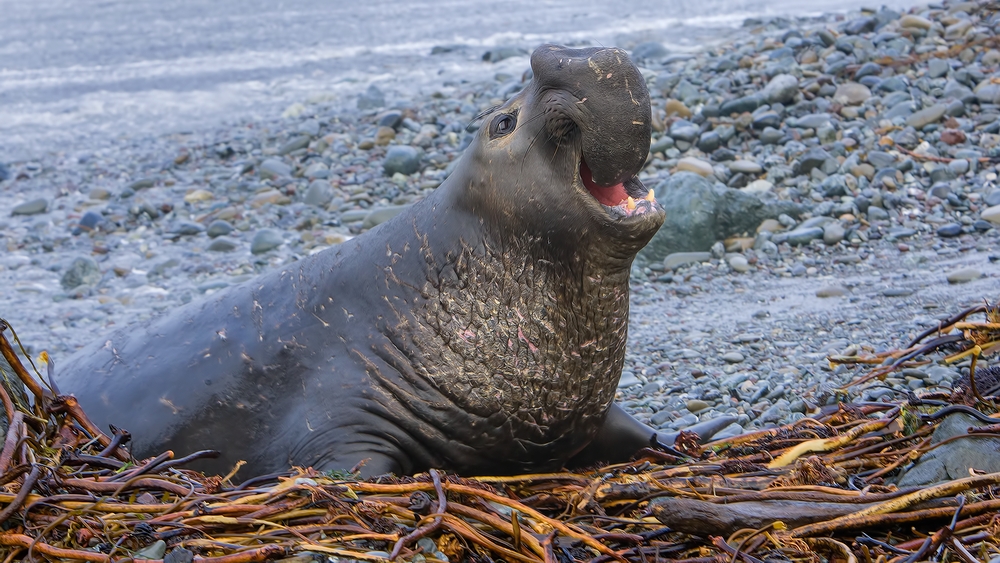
column 812, row 491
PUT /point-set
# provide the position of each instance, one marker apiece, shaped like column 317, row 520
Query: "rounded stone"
column 218, row 228
column 83, row 271
column 696, row 165
column 744, row 167
column 851, row 93
column 401, row 158
column 697, row 405
column 319, row 193
column 222, row 244
column 991, row 214
column 733, row 357
column 833, row 233
column 949, row 230
column 32, row 207
column 781, row 89
column 738, row 263
column 709, row 141
column 771, row 136
column 264, row 240
column 831, row 291
column 90, row 221
column 964, row 275
column 274, row 168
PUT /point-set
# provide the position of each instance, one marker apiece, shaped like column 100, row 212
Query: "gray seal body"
column 482, row 330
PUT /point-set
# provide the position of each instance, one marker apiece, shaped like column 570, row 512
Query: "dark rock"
column 740, row 105
column 867, row 69
column 949, row 230
column 956, row 456
column 391, row 118
column 142, row 184
column 771, row 136
column 766, row 119
column 893, row 84
column 799, row 236
column 942, row 174
column 700, row 212
column 91, row 221
column 179, row 555
column 300, row 142
column 880, row 159
column 781, row 89
column 709, row 141
column 813, row 158
column 858, row 26
column 4, row 172
column 684, row 130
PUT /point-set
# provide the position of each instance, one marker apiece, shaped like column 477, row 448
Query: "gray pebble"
column 218, row 228
column 222, row 244
column 964, row 275
column 264, row 240
column 83, row 271
column 401, row 158
column 32, row 207
column 274, row 168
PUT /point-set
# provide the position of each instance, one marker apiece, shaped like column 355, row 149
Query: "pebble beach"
column 850, row 162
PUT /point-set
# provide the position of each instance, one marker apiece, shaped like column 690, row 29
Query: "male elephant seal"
column 483, row 330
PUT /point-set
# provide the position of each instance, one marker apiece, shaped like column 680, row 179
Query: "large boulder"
column 701, row 212
column 957, row 455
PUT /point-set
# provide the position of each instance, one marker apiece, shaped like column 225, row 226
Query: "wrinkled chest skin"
column 482, row 330
column 527, row 352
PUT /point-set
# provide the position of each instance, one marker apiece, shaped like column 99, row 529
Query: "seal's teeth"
column 650, row 197
column 631, row 204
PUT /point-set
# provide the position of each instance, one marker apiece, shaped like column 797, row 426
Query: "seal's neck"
column 512, row 333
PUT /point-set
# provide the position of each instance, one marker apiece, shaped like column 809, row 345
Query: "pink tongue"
column 610, row 196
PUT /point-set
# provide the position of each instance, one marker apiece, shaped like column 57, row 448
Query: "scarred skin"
column 483, row 330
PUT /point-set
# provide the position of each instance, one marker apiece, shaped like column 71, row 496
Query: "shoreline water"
column 152, row 70
column 126, row 232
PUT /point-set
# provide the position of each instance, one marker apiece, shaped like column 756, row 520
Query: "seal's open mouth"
column 620, row 200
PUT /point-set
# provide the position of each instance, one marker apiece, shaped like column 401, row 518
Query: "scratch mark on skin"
column 597, row 70
column 166, row 402
column 581, row 101
column 325, row 324
column 630, row 95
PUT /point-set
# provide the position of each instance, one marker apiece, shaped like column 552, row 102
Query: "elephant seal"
column 482, row 331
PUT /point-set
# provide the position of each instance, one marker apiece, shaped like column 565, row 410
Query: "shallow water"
column 77, row 74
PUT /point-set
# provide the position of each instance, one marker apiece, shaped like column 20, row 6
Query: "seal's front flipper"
column 705, row 431
column 620, row 438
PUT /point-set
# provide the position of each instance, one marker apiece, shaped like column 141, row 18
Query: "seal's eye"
column 502, row 125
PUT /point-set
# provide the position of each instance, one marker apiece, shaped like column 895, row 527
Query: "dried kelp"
column 816, row 490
